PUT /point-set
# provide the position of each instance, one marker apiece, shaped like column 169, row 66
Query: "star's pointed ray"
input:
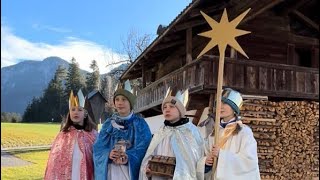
column 235, row 45
column 207, row 34
column 223, row 33
column 210, row 21
column 224, row 17
column 238, row 19
column 209, row 46
column 240, row 32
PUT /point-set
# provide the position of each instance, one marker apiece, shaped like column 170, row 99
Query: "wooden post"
column 189, row 46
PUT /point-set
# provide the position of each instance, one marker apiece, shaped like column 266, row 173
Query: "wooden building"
column 283, row 48
column 95, row 104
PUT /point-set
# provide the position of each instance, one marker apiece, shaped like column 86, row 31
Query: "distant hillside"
column 28, row 79
column 25, row 80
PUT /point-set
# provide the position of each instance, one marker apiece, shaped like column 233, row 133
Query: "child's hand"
column 148, row 170
column 114, row 155
column 209, row 159
column 123, row 159
column 215, row 151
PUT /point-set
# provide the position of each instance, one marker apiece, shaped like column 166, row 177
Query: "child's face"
column 77, row 115
column 122, row 105
column 226, row 111
column 170, row 112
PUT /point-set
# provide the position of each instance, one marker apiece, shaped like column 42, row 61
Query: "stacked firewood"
column 259, row 115
column 287, row 135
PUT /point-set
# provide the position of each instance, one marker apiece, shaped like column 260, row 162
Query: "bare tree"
column 133, row 45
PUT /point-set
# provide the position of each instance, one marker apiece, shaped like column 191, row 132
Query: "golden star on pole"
column 223, row 33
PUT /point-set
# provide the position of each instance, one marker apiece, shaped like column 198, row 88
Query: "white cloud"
column 51, row 28
column 14, row 49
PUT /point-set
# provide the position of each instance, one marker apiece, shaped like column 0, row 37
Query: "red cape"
column 59, row 164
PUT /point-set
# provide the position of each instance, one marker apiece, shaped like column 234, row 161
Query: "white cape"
column 187, row 146
column 238, row 160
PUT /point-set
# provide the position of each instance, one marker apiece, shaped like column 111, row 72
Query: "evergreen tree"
column 32, row 112
column 52, row 104
column 74, row 79
column 53, row 98
column 93, row 79
column 60, row 77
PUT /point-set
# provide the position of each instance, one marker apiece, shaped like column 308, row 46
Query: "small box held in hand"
column 162, row 166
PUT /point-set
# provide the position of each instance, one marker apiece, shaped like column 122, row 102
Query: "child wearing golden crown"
column 177, row 138
column 236, row 151
column 71, row 152
column 122, row 141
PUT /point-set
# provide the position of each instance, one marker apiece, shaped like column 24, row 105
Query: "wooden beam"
column 295, row 5
column 233, row 53
column 208, row 10
column 188, row 45
column 315, row 57
column 168, row 45
column 189, row 24
column 143, row 76
column 305, row 19
column 197, row 116
column 211, row 103
column 269, row 5
column 291, row 54
column 302, row 40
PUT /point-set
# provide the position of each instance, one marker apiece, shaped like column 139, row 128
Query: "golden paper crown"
column 75, row 101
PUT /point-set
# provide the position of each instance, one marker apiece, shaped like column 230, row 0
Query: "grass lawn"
column 28, row 134
column 32, row 171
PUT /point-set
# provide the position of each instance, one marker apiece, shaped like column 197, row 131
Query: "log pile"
column 287, row 135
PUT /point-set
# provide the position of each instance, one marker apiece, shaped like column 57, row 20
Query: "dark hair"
column 88, row 123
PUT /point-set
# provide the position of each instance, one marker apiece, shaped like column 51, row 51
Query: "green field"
column 28, row 134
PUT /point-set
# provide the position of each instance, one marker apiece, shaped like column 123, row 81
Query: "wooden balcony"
column 247, row 76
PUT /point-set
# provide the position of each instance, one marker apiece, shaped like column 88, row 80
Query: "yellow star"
column 223, row 33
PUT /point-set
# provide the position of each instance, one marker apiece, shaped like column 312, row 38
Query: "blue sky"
column 86, row 30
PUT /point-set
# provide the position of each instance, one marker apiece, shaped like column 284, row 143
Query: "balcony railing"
column 247, row 76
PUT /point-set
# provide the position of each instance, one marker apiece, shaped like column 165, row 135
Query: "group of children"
column 124, row 146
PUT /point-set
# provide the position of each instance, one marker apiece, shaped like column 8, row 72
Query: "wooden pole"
column 218, row 105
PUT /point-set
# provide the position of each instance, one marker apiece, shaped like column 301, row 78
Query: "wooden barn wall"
column 268, row 40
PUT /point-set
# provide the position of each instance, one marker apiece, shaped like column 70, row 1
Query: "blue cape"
column 136, row 131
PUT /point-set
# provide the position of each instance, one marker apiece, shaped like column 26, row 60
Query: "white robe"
column 183, row 142
column 238, row 160
column 76, row 161
column 117, row 172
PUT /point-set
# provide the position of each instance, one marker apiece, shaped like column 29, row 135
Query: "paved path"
column 8, row 160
